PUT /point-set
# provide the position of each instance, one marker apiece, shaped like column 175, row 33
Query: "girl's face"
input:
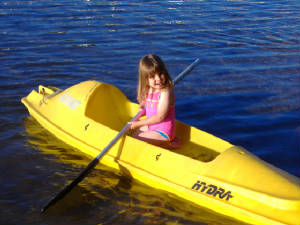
column 157, row 80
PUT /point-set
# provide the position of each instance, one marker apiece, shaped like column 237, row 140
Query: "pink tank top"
column 167, row 126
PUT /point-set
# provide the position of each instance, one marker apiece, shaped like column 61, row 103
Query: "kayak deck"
column 206, row 170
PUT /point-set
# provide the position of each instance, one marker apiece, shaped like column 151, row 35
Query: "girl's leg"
column 151, row 137
column 155, row 138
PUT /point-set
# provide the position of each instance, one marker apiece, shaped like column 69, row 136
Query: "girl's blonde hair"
column 149, row 65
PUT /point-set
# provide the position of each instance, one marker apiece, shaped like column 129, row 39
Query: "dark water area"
column 245, row 90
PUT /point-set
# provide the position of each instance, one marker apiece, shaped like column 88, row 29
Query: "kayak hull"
column 206, row 170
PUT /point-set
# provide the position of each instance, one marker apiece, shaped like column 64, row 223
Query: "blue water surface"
column 245, row 90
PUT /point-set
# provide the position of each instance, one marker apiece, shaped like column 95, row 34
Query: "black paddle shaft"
column 93, row 163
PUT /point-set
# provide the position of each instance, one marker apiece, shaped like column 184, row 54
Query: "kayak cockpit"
column 107, row 105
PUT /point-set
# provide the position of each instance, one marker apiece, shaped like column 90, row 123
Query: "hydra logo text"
column 212, row 190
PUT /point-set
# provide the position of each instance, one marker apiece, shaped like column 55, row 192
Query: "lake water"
column 245, row 90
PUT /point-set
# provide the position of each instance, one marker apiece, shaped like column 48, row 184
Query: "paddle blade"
column 69, row 187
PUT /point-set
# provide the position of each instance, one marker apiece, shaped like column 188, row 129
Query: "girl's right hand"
column 133, row 125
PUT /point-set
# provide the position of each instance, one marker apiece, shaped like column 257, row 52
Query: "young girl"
column 156, row 98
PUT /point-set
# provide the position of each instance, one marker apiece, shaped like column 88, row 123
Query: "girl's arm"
column 142, row 108
column 162, row 111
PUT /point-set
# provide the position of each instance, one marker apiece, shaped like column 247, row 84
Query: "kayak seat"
column 197, row 144
column 107, row 105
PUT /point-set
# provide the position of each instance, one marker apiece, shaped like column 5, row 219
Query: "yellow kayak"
column 206, row 170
